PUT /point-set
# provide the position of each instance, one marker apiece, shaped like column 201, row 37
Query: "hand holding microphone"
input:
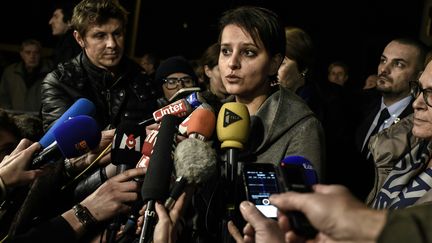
column 14, row 167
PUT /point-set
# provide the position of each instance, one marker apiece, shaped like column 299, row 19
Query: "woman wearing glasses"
column 175, row 73
column 405, row 152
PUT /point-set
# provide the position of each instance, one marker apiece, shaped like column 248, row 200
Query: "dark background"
column 353, row 31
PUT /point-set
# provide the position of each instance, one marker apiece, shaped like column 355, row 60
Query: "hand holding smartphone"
column 260, row 182
column 263, row 179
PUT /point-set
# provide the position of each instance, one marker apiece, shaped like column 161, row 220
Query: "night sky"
column 352, row 31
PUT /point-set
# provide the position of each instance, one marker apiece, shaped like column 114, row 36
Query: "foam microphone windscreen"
column 233, row 125
column 201, row 123
column 82, row 106
column 310, row 174
column 157, row 179
column 127, row 143
column 194, row 160
column 77, row 135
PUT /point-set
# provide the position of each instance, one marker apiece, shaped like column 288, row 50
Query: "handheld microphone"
column 232, row 130
column 82, row 106
column 295, row 173
column 125, row 153
column 209, row 98
column 74, row 137
column 127, row 145
column 194, row 163
column 183, row 92
column 200, row 123
column 184, row 106
column 180, row 94
column 157, row 180
column 304, row 166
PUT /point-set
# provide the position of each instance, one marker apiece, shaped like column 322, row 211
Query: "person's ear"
column 78, row 38
column 207, row 71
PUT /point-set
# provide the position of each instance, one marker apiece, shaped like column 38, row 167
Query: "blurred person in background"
column 173, row 74
column 149, row 62
column 20, row 85
column 210, row 69
column 67, row 47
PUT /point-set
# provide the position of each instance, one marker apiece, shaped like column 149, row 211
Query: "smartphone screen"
column 260, row 181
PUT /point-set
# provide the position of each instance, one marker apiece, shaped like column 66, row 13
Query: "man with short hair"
column 20, row 86
column 338, row 73
column 101, row 72
column 402, row 61
column 60, row 22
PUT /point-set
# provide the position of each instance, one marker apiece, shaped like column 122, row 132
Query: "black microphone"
column 158, row 177
column 195, row 163
column 125, row 153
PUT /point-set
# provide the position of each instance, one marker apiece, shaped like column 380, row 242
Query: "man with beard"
column 402, row 61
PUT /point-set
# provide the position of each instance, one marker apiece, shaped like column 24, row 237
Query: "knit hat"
column 176, row 64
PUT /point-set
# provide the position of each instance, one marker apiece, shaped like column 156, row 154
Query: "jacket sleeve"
column 408, row 225
column 55, row 100
column 55, row 230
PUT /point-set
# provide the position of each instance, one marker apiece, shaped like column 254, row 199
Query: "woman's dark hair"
column 210, row 57
column 262, row 24
column 299, row 47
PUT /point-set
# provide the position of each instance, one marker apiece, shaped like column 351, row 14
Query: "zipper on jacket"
column 108, row 99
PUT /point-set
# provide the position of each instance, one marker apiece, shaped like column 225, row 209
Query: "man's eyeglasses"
column 173, row 83
column 416, row 89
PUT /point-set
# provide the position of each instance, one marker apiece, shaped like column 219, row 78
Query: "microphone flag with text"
column 232, row 130
column 183, row 107
column 158, row 177
column 125, row 153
